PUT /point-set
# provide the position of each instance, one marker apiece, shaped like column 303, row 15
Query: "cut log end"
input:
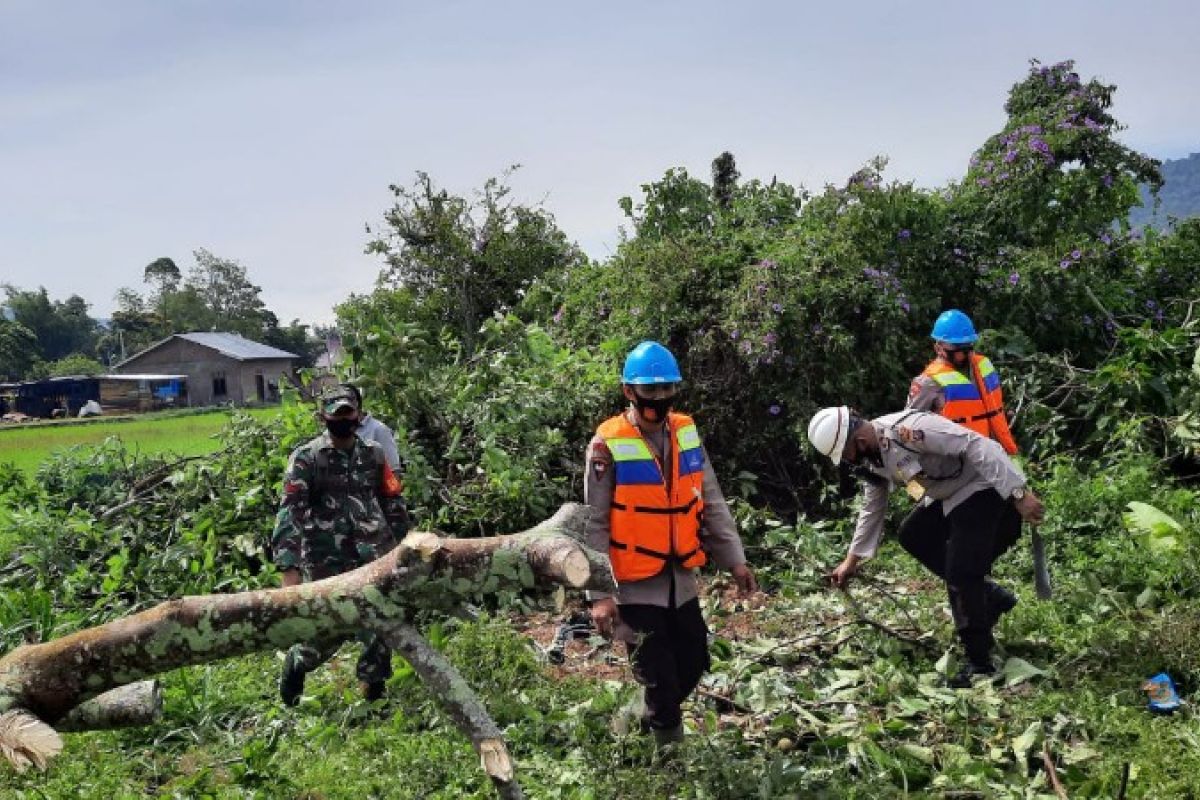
column 576, row 569
column 493, row 755
column 423, row 543
column 27, row 741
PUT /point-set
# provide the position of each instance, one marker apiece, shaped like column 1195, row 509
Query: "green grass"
column 27, row 446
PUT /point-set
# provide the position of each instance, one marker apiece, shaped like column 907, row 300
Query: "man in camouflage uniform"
column 342, row 508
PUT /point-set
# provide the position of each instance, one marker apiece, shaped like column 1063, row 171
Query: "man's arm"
column 598, row 487
column 382, row 435
column 926, row 394
column 391, row 500
column 295, row 513
column 720, row 531
column 868, row 531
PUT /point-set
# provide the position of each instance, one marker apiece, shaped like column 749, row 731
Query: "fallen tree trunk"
column 425, row 572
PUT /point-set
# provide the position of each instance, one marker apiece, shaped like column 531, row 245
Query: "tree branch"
column 460, row 701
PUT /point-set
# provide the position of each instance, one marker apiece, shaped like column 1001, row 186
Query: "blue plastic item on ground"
column 1164, row 699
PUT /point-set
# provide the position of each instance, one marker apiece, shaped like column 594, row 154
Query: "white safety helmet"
column 828, row 430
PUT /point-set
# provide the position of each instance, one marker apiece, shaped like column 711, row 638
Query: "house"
column 220, row 367
column 115, row 394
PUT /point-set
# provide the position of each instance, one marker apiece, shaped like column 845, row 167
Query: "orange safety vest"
column 974, row 401
column 654, row 521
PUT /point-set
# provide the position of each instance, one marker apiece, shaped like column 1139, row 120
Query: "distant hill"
column 1180, row 195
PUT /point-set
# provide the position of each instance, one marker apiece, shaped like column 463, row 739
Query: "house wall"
column 205, row 366
column 270, row 369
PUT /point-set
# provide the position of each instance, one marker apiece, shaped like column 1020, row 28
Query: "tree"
column 1056, row 170
column 724, row 179
column 467, row 259
column 60, row 327
column 74, row 364
column 18, row 350
column 425, row 574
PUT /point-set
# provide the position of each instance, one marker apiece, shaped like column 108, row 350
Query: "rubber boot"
column 291, row 680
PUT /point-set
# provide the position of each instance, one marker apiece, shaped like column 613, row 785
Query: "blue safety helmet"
column 954, row 327
column 650, row 362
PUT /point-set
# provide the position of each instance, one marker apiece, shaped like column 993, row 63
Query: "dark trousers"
column 960, row 548
column 669, row 653
column 374, row 664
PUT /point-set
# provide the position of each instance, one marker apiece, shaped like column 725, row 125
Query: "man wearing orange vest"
column 960, row 384
column 657, row 510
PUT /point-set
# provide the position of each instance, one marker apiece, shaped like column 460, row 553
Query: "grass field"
column 183, row 435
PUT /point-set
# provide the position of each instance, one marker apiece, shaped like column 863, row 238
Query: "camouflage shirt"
column 340, row 509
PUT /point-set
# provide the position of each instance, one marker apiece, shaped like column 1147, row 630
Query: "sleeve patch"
column 392, row 486
column 909, row 435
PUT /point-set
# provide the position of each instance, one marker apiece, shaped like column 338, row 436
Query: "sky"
column 269, row 132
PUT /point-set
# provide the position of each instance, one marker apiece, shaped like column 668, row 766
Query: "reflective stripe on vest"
column 654, row 521
column 964, row 404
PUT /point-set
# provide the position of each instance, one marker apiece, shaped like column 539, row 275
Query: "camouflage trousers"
column 375, row 663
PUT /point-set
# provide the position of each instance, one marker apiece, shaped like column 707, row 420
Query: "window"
column 218, row 384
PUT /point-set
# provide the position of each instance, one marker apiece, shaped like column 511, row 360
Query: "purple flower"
column 904, row 234
column 958, row 251
column 762, row 288
column 774, row 410
column 1076, row 254
column 734, row 334
column 904, row 306
column 1010, row 156
column 558, row 315
column 1106, row 238
column 983, row 182
column 777, row 308
column 1003, row 176
column 1092, row 125
column 768, row 263
column 1087, row 320
column 1066, row 262
column 770, row 338
column 1013, row 279
column 1108, row 181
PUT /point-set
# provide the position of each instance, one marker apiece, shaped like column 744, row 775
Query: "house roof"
column 232, row 345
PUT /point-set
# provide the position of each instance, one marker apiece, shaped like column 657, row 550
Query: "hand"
column 746, row 582
column 842, row 572
column 604, row 616
column 291, row 577
column 1030, row 508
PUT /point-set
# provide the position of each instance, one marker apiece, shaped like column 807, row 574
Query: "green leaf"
column 1021, row 745
column 1159, row 528
column 1018, row 670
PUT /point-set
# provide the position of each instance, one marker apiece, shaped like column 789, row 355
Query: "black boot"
column 969, row 674
column 1000, row 601
column 291, row 681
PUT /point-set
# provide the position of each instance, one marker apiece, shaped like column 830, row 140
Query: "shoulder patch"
column 914, row 388
column 910, row 435
column 600, row 451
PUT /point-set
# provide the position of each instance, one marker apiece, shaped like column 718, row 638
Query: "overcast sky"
column 269, row 131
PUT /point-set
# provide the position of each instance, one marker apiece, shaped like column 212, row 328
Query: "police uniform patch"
column 909, row 435
column 601, row 458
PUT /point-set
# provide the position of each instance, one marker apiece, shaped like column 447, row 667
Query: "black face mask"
column 960, row 358
column 653, row 410
column 341, row 427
